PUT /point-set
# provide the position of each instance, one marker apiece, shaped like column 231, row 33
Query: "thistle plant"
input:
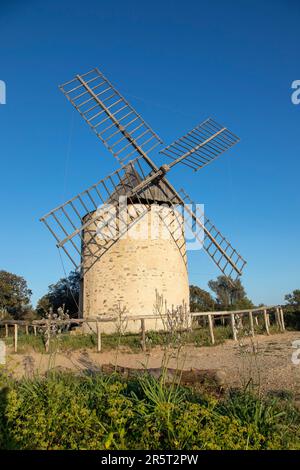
column 176, row 323
column 120, row 326
column 121, row 322
column 4, row 315
column 52, row 329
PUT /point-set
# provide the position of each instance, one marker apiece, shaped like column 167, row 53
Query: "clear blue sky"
column 177, row 62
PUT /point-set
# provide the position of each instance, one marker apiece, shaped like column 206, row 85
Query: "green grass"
column 66, row 342
column 68, row 411
column 27, row 343
column 198, row 337
column 132, row 342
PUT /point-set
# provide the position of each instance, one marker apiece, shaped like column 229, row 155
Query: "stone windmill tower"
column 126, row 233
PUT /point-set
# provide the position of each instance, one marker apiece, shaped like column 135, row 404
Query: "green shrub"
column 68, row 411
column 292, row 318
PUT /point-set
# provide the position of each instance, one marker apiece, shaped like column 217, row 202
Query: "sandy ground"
column 267, row 359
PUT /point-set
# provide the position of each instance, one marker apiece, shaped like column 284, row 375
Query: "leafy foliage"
column 230, row 295
column 64, row 293
column 292, row 309
column 200, row 300
column 293, row 299
column 68, row 411
column 14, row 295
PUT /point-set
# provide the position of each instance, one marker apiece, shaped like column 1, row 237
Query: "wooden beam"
column 98, row 337
column 211, row 328
column 278, row 319
column 266, row 322
column 47, row 343
column 251, row 323
column 282, row 319
column 232, row 320
column 228, row 312
column 143, row 329
column 16, row 337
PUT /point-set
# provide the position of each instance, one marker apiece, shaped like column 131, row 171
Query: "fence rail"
column 235, row 316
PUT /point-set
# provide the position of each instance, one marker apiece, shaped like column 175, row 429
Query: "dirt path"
column 271, row 364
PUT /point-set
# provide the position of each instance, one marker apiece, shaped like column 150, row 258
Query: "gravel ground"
column 266, row 359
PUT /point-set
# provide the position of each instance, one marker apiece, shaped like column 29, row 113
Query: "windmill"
column 92, row 227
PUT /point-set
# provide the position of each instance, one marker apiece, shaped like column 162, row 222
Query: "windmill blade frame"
column 130, row 139
column 215, row 244
column 116, row 123
column 68, row 221
column 102, row 211
column 201, row 146
column 219, row 249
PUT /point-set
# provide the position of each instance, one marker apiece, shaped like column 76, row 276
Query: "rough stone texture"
column 134, row 268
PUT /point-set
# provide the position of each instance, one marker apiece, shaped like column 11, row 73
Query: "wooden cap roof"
column 157, row 192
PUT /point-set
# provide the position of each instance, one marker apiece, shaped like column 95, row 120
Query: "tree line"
column 15, row 297
column 227, row 295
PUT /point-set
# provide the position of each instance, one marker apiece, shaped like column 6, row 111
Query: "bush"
column 292, row 318
column 68, row 411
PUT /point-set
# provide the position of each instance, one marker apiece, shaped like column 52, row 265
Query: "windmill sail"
column 112, row 118
column 228, row 260
column 201, row 145
column 87, row 225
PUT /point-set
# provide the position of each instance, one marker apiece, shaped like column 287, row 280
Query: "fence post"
column 282, row 319
column 277, row 318
column 232, row 319
column 266, row 322
column 16, row 337
column 26, row 329
column 98, row 337
column 251, row 323
column 143, row 328
column 6, row 330
column 211, row 329
column 34, row 330
column 48, row 332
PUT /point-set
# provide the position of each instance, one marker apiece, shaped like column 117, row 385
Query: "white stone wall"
column 145, row 261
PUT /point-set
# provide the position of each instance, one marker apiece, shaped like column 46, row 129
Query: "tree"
column 230, row 295
column 14, row 294
column 200, row 300
column 64, row 293
column 292, row 309
column 293, row 299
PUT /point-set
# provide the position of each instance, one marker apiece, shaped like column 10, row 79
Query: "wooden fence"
column 235, row 317
column 238, row 315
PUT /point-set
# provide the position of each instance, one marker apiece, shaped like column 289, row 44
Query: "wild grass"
column 130, row 341
column 65, row 342
column 99, row 411
column 68, row 411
